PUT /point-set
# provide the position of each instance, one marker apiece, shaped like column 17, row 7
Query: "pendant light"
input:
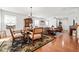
column 31, row 11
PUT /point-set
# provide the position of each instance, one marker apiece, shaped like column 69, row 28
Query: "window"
column 53, row 22
column 47, row 23
column 9, row 20
column 43, row 23
column 40, row 22
column 36, row 22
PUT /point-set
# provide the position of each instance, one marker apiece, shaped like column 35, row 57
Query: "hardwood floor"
column 62, row 43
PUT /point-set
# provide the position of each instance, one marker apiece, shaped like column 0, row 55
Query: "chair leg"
column 13, row 44
column 32, row 42
column 41, row 39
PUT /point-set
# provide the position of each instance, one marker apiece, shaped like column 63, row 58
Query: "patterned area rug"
column 26, row 47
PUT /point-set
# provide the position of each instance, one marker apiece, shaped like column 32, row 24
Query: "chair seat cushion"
column 36, row 36
column 18, row 35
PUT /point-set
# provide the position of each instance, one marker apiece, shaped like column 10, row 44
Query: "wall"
column 0, row 20
column 19, row 20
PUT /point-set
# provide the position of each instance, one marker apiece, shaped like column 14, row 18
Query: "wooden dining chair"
column 36, row 34
column 16, row 38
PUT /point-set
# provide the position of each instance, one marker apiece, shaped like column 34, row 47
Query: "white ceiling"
column 21, row 10
column 45, row 11
column 56, row 11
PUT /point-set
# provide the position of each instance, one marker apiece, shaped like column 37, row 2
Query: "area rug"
column 28, row 48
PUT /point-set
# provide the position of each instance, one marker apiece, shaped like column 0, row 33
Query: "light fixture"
column 30, row 11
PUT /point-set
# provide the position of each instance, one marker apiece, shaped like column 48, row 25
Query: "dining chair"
column 36, row 34
column 17, row 38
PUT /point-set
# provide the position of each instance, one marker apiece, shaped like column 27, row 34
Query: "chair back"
column 26, row 28
column 12, row 34
column 36, row 33
column 38, row 30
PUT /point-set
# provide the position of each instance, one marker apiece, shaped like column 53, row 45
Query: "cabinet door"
column 27, row 21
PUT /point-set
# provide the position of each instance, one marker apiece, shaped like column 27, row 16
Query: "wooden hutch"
column 27, row 22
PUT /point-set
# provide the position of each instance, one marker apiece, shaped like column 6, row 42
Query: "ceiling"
column 45, row 11
column 21, row 10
